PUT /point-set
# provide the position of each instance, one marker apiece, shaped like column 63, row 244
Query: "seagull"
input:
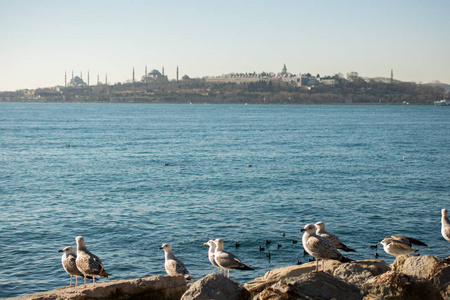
column 226, row 260
column 88, row 263
column 396, row 247
column 173, row 265
column 68, row 262
column 408, row 241
column 212, row 249
column 320, row 247
column 445, row 229
column 320, row 231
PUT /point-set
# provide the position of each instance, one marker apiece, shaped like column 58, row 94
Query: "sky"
column 41, row 41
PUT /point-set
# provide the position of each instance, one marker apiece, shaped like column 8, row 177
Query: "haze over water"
column 129, row 177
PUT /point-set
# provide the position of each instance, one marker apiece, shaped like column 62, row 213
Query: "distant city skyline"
column 40, row 41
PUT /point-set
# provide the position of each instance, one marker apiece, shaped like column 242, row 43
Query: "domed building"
column 154, row 75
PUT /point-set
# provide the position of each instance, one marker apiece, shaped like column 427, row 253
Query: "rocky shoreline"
column 409, row 277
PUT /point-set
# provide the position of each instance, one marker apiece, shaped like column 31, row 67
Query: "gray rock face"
column 319, row 286
column 216, row 286
column 358, row 272
column 154, row 287
column 394, row 285
column 416, row 266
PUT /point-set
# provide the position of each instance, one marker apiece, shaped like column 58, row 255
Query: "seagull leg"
column 84, row 280
column 93, row 280
column 70, row 280
column 317, row 266
column 323, row 265
column 76, row 280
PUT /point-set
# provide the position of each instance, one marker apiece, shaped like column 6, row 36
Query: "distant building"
column 77, row 82
column 154, row 76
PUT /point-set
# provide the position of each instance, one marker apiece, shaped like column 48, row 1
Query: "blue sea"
column 130, row 177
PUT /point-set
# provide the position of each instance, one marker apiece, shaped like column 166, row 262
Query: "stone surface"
column 154, row 287
column 319, row 285
column 216, row 286
column 417, row 266
column 440, row 277
column 394, row 285
column 358, row 272
column 273, row 276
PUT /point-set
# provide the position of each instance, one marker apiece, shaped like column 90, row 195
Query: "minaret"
column 177, row 73
column 163, row 71
column 98, row 80
column 284, row 70
column 133, row 74
column 65, row 78
column 392, row 76
column 88, row 78
column 72, row 74
column 106, row 79
column 145, row 75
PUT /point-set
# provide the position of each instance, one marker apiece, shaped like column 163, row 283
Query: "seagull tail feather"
column 245, row 268
column 345, row 259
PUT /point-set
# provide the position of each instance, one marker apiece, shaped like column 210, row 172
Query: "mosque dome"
column 154, row 73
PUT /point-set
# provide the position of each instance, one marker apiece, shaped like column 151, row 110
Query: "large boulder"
column 394, row 285
column 273, row 276
column 162, row 287
column 319, row 285
column 440, row 277
column 417, row 266
column 358, row 272
column 216, row 286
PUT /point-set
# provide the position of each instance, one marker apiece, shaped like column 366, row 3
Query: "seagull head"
column 80, row 242
column 219, row 244
column 211, row 244
column 320, row 226
column 68, row 250
column 309, row 228
column 444, row 212
column 165, row 247
column 385, row 242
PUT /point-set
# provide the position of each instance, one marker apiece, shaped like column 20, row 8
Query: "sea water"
column 130, row 177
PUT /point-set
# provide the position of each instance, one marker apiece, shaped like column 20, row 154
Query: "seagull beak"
column 60, row 251
column 303, row 229
column 160, row 248
column 205, row 244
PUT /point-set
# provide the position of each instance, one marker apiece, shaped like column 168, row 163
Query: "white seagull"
column 211, row 253
column 445, row 229
column 320, row 247
column 226, row 260
column 173, row 265
column 88, row 263
column 320, row 231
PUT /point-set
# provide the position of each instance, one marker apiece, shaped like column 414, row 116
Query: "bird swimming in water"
column 226, row 260
column 88, row 263
column 319, row 247
column 320, row 231
column 68, row 262
column 445, row 229
column 396, row 247
column 173, row 265
column 211, row 251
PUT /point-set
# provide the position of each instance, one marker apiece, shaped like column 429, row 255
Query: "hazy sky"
column 41, row 40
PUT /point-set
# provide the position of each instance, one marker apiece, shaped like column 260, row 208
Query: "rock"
column 358, row 272
column 162, row 287
column 273, row 276
column 417, row 266
column 394, row 285
column 319, row 285
column 440, row 277
column 216, row 286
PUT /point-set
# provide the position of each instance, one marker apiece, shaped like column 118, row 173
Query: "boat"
column 443, row 102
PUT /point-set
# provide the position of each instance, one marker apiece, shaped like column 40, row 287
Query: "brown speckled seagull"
column 320, row 231
column 68, row 262
column 320, row 247
column 88, row 263
column 396, row 247
column 173, row 265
